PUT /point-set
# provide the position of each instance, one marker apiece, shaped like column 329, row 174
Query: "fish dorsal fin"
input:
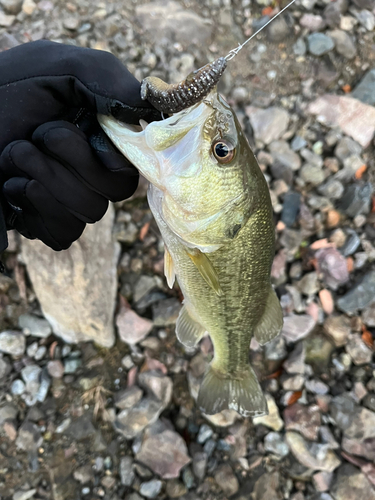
column 169, row 268
column 188, row 331
column 206, row 269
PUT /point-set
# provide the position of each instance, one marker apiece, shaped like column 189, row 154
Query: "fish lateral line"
column 174, row 97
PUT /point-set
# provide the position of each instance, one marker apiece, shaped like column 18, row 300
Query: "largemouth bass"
column 212, row 205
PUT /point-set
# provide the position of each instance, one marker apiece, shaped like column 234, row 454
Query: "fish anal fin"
column 243, row 393
column 271, row 322
column 188, row 331
column 206, row 269
column 169, row 268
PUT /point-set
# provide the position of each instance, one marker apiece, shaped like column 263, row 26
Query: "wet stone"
column 13, row 343
column 165, row 453
column 343, row 43
column 356, row 199
column 205, row 432
column 151, row 489
column 338, row 328
column 360, row 295
column 131, row 422
column 126, row 471
column 351, row 484
column 274, row 443
column 297, row 327
column 304, row 419
column 357, row 349
column 367, row 20
column 165, row 312
column 272, row 420
column 33, row 325
column 227, row 480
column 128, row 398
column 332, row 264
column 312, row 455
column 268, row 124
column 291, row 208
column 319, row 44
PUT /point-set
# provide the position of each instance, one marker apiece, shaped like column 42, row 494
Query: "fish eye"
column 223, row 150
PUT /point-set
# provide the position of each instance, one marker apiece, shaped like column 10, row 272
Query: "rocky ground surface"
column 79, row 421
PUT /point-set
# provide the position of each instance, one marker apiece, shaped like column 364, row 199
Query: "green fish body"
column 212, row 205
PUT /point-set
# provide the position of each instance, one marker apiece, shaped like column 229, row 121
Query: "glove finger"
column 24, row 159
column 99, row 166
column 42, row 216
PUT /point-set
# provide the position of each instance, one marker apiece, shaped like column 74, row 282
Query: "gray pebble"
column 18, row 387
column 291, row 206
column 356, row 199
column 33, row 325
column 344, row 43
column 365, row 90
column 126, row 471
column 274, row 443
column 13, row 343
column 298, row 143
column 151, row 489
column 205, row 432
column 367, row 19
column 71, row 365
column 319, row 44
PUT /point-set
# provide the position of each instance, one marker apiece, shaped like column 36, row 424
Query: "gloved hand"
column 56, row 176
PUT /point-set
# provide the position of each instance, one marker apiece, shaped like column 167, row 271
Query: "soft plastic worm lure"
column 174, row 97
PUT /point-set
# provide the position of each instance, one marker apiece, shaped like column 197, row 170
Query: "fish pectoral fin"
column 188, row 331
column 241, row 393
column 169, row 268
column 271, row 323
column 206, row 269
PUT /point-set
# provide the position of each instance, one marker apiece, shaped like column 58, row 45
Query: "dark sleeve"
column 3, row 232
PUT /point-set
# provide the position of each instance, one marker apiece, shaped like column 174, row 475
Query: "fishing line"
column 232, row 53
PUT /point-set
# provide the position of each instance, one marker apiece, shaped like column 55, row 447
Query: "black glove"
column 57, row 168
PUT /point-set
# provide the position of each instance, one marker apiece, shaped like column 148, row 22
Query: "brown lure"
column 172, row 98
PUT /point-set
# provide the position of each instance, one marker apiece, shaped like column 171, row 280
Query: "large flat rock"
column 77, row 287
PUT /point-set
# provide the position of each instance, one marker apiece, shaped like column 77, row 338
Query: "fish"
column 212, row 205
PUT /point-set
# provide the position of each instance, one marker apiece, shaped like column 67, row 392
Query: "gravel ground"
column 80, row 421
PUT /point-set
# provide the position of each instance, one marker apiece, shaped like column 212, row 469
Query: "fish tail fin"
column 221, row 391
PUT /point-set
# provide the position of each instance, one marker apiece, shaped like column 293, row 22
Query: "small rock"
column 318, row 352
column 71, row 23
column 322, row 480
column 272, row 420
column 12, row 6
column 368, row 315
column 319, row 44
column 165, row 312
column 222, row 419
column 274, row 443
column 175, row 489
column 6, row 20
column 346, row 147
column 151, row 489
column 126, row 471
column 200, row 464
column 8, row 412
column 268, row 124
column 31, row 374
column 23, row 495
column 338, row 328
column 267, row 487
column 332, row 189
column 304, row 419
column 314, row 456
column 343, row 43
column 157, row 385
column 360, row 295
column 33, row 325
column 359, row 352
column 351, row 484
column 72, row 364
column 294, row 384
column 28, row 7
column 312, row 174
column 83, row 474
column 332, row 15
column 333, row 267
column 353, row 117
column 326, row 300
column 226, row 479
column 17, row 387
column 165, row 453
column 131, row 422
column 205, row 432
column 309, row 285
column 13, row 343
column 128, row 398
column 81, row 428
column 367, row 19
column 291, row 206
column 55, row 368
column 357, row 199
column 131, row 327
column 299, row 49
column 297, row 327
column 29, row 438
column 296, row 360
column 316, row 387
column 312, row 22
